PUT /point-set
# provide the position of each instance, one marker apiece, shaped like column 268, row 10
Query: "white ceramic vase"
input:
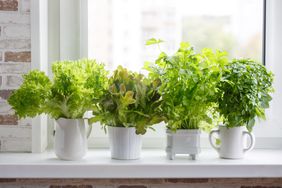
column 125, row 144
column 70, row 139
column 232, row 142
column 183, row 141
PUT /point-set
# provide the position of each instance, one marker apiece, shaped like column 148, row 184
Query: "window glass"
column 118, row 29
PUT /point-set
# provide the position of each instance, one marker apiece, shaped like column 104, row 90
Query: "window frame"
column 269, row 60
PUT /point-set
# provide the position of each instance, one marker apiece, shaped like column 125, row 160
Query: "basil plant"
column 244, row 93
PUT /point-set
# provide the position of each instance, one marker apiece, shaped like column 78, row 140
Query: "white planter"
column 124, row 143
column 70, row 139
column 232, row 142
column 183, row 141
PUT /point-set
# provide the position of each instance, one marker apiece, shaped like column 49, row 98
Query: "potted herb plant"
column 244, row 95
column 76, row 86
column 188, row 88
column 128, row 109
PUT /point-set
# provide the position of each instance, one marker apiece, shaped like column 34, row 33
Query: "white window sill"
column 153, row 164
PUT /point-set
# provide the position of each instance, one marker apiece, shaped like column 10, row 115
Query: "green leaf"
column 244, row 93
column 77, row 86
column 136, row 102
column 188, row 86
column 153, row 41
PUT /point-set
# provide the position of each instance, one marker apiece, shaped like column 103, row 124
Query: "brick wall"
column 15, row 58
column 142, row 183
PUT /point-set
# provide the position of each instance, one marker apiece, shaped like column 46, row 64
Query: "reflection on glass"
column 118, row 29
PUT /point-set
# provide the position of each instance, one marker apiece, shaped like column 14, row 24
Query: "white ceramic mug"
column 70, row 139
column 232, row 144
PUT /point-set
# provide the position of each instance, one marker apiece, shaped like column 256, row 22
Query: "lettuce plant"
column 76, row 87
column 245, row 93
column 131, row 101
column 188, row 85
column 29, row 99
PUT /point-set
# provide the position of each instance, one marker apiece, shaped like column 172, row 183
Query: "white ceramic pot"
column 125, row 144
column 183, row 141
column 232, row 142
column 70, row 139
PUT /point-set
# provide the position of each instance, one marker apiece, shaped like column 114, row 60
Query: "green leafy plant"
column 188, row 85
column 245, row 93
column 29, row 99
column 131, row 101
column 76, row 87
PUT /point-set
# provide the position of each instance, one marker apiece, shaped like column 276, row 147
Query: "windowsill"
column 153, row 164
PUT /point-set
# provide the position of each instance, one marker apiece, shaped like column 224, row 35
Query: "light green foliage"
column 29, row 99
column 189, row 85
column 245, row 93
column 76, row 87
column 131, row 101
column 153, row 41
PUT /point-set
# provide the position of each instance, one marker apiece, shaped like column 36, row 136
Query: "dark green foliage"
column 131, row 101
column 245, row 93
column 188, row 85
column 76, row 87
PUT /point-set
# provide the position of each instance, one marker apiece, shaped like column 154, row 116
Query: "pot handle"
column 89, row 130
column 211, row 139
column 252, row 138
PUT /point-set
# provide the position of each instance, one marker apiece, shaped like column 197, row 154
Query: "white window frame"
column 39, row 60
column 74, row 45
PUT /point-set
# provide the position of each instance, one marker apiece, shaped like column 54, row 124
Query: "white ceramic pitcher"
column 232, row 144
column 70, row 139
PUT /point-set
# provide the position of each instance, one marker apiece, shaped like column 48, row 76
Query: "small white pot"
column 232, row 142
column 183, row 141
column 125, row 144
column 70, row 139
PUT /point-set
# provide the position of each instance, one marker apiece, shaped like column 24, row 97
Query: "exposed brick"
column 9, row 5
column 25, row 6
column 5, row 94
column 7, row 180
column 15, row 44
column 12, row 18
column 14, row 68
column 13, row 81
column 132, row 186
column 70, row 186
column 248, row 181
column 135, row 181
column 8, row 120
column 17, row 31
column 16, row 144
column 17, row 56
column 5, row 108
column 190, row 180
column 12, row 133
column 261, row 186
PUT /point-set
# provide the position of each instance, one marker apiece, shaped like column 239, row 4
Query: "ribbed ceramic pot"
column 125, row 144
column 70, row 139
column 232, row 142
column 183, row 141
